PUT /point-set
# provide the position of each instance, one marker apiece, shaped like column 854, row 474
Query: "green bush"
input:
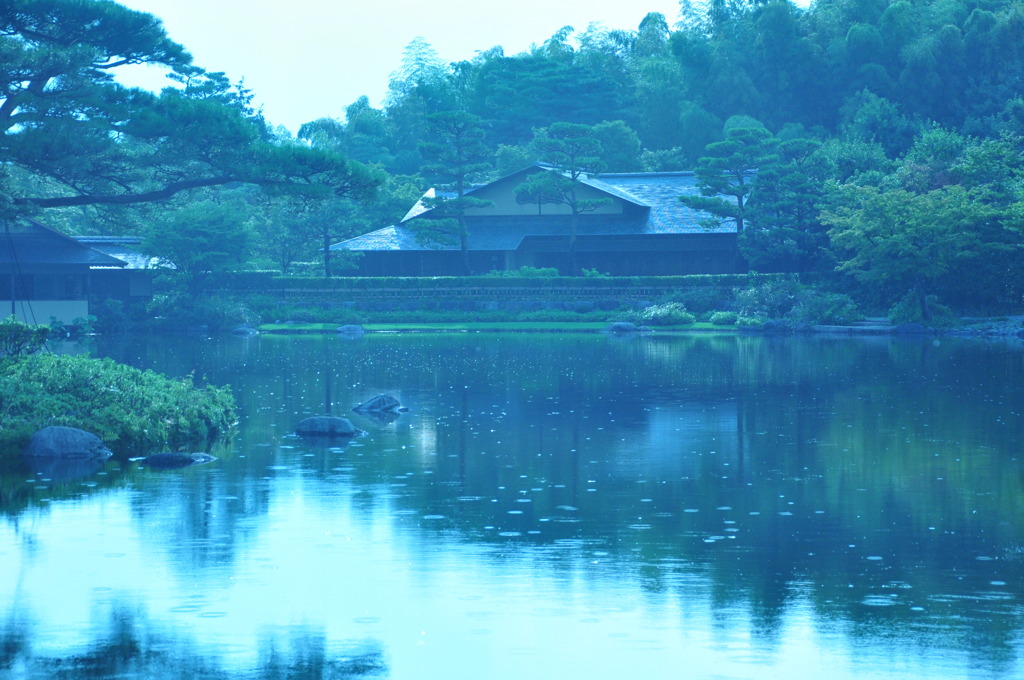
column 819, row 307
column 703, row 299
column 908, row 310
column 134, row 412
column 667, row 314
column 749, row 322
column 772, row 299
column 218, row 313
column 17, row 338
column 724, row 318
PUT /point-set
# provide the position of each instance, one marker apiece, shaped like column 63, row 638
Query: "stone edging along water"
column 1001, row 327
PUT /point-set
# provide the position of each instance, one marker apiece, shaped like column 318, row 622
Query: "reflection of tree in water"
column 22, row 487
column 131, row 649
column 754, row 435
column 304, row 654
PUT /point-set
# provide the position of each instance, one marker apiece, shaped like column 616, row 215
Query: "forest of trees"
column 876, row 144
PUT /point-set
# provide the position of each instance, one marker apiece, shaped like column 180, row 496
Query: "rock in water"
column 66, row 443
column 169, row 461
column 382, row 402
column 326, row 426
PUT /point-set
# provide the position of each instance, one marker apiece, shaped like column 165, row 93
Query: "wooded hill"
column 882, row 140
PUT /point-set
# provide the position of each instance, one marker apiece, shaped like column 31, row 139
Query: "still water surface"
column 551, row 506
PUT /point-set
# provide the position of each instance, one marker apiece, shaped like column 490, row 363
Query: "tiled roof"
column 32, row 243
column 656, row 194
column 661, row 190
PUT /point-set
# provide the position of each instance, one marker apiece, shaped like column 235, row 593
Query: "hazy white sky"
column 306, row 59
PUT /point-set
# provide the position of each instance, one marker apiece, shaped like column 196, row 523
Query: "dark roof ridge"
column 657, row 173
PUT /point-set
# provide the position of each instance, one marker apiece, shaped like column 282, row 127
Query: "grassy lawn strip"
column 511, row 326
column 455, row 326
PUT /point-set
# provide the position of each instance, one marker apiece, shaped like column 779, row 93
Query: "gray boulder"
column 623, row 327
column 172, row 460
column 326, row 426
column 66, row 443
column 380, row 403
column 351, row 329
column 244, row 329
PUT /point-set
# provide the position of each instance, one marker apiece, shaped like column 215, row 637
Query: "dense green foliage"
column 783, row 113
column 877, row 144
column 17, row 338
column 134, row 412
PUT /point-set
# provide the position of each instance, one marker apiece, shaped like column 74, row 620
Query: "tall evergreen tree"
column 456, row 153
column 726, row 175
column 574, row 152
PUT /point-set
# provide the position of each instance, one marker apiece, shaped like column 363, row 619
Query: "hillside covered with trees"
column 876, row 145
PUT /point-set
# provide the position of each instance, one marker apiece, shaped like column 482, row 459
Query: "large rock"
column 66, row 443
column 380, row 403
column 326, row 426
column 172, row 460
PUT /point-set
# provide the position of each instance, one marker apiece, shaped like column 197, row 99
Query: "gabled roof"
column 656, row 194
column 661, row 190
column 124, row 248
column 29, row 242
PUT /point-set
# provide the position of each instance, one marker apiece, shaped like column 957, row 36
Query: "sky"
column 309, row 59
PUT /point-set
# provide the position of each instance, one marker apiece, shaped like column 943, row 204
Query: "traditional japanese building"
column 640, row 228
column 45, row 275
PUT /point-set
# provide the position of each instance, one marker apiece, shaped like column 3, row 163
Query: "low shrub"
column 218, row 313
column 816, row 307
column 134, row 412
column 724, row 318
column 772, row 299
column 750, row 322
column 667, row 314
column 17, row 338
column 908, row 310
column 703, row 299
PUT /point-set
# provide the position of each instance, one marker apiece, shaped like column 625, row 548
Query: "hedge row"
column 268, row 282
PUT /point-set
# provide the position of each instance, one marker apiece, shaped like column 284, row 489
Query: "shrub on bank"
column 174, row 310
column 816, row 307
column 667, row 314
column 724, row 318
column 789, row 302
column 134, row 412
column 908, row 310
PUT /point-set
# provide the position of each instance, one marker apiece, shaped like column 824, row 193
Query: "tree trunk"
column 327, row 255
column 464, row 247
column 573, row 224
column 922, row 300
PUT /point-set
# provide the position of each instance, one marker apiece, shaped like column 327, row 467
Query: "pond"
column 567, row 505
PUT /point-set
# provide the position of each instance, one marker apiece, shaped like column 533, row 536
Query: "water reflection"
column 752, row 503
column 127, row 646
